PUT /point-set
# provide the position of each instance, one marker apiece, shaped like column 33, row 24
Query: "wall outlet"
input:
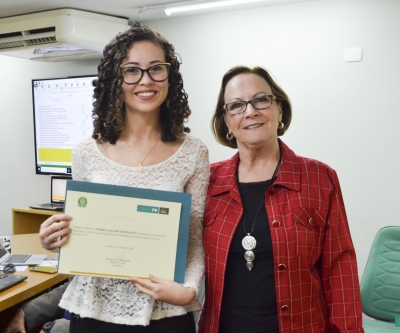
column 352, row 54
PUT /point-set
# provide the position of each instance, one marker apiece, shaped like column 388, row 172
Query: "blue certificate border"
column 133, row 192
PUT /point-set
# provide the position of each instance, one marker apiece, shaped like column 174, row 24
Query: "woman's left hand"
column 165, row 290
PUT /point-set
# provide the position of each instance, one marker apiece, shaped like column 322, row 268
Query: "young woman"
column 139, row 140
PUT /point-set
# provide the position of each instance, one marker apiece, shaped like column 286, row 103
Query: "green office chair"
column 380, row 285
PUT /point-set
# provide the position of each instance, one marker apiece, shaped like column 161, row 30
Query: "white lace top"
column 119, row 301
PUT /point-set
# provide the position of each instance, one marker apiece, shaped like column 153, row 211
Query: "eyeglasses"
column 9, row 269
column 259, row 103
column 158, row 73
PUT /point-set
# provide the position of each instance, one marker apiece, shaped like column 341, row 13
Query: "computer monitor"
column 62, row 114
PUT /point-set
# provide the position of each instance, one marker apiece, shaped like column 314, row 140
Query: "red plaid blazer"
column 317, row 286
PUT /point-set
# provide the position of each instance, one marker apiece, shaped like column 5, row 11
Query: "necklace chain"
column 262, row 202
column 255, row 218
column 140, row 167
column 249, row 242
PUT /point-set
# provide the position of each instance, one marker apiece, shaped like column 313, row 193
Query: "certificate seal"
column 82, row 202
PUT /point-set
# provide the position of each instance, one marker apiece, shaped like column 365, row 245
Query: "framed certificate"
column 120, row 231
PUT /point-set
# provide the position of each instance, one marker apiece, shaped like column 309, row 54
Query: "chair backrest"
column 380, row 285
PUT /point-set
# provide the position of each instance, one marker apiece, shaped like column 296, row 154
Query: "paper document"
column 119, row 232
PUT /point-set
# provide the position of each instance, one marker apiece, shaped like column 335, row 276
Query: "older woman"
column 279, row 255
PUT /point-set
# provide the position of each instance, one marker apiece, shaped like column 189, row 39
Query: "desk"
column 35, row 284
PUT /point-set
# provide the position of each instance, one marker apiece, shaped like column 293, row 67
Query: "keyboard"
column 53, row 205
column 17, row 258
column 7, row 281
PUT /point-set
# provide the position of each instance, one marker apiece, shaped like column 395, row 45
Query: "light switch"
column 352, row 54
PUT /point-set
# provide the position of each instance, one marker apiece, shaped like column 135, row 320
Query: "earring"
column 167, row 103
column 281, row 125
column 229, row 136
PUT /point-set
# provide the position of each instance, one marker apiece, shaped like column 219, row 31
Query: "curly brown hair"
column 218, row 125
column 109, row 111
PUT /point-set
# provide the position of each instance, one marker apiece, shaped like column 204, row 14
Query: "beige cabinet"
column 28, row 220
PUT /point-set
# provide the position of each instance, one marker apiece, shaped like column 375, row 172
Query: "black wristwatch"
column 48, row 326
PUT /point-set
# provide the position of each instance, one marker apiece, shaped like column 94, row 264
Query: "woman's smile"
column 249, row 127
column 146, row 95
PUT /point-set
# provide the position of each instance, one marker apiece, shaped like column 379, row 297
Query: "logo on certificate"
column 147, row 209
column 82, row 202
column 153, row 210
column 164, row 210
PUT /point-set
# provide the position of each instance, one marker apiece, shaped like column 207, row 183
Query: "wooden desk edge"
column 21, row 292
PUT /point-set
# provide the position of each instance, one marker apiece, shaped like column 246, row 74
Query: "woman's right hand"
column 55, row 231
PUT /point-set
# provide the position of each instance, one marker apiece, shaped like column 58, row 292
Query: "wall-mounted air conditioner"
column 58, row 35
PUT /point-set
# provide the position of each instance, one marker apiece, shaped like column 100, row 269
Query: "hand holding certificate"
column 119, row 232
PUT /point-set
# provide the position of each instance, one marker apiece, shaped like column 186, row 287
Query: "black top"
column 249, row 299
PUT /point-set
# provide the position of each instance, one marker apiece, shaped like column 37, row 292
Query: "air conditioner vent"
column 11, row 34
column 41, row 30
column 10, row 45
column 27, row 38
column 38, row 41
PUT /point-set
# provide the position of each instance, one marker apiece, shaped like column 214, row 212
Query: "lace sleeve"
column 197, row 186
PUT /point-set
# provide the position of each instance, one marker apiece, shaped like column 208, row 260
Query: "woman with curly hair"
column 139, row 140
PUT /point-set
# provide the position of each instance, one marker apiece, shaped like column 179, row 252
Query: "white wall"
column 345, row 114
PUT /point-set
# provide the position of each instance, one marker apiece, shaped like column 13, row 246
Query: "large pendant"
column 139, row 167
column 249, row 243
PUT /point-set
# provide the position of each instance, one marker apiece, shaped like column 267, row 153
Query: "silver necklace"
column 249, row 242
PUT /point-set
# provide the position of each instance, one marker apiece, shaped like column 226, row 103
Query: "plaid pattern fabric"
column 317, row 286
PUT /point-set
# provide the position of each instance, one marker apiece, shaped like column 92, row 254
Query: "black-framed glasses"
column 9, row 269
column 260, row 103
column 157, row 73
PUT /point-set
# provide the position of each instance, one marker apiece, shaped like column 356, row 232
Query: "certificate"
column 120, row 231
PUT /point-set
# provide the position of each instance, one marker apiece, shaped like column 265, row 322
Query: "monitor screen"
column 62, row 114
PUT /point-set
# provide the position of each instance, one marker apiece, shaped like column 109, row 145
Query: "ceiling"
column 134, row 10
